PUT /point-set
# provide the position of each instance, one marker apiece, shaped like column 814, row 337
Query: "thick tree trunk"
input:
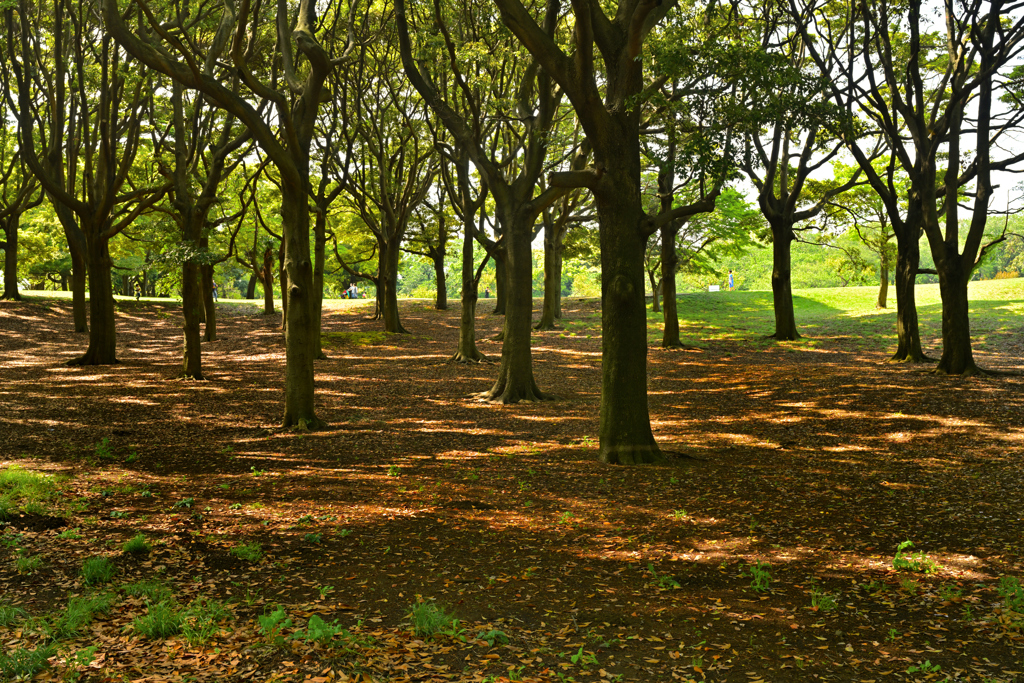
column 11, row 258
column 209, row 306
column 782, row 284
column 908, row 335
column 441, row 298
column 102, row 333
column 79, row 278
column 388, row 269
column 626, row 436
column 500, row 280
column 957, row 355
column 299, row 343
column 883, row 285
column 192, row 308
column 552, row 278
column 250, row 289
column 515, row 381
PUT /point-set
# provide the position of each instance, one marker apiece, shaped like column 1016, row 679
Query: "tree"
column 512, row 184
column 99, row 125
column 18, row 194
column 932, row 97
column 304, row 66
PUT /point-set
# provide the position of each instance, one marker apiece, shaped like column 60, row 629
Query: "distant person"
column 215, row 290
column 138, row 290
column 487, row 292
column 732, row 283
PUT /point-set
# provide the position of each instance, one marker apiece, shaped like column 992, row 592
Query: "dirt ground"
column 764, row 552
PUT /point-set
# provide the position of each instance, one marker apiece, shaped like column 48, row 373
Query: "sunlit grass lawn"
column 837, row 312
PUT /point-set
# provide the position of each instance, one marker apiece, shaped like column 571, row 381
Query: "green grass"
column 152, row 591
column 429, row 618
column 97, row 570
column 354, row 338
column 837, row 312
column 79, row 613
column 25, row 663
column 10, row 615
column 22, row 489
column 138, row 545
column 250, row 552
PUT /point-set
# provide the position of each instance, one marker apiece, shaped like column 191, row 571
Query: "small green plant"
column 584, row 658
column 565, row 518
column 79, row 613
column 28, row 564
column 492, row 637
column 118, row 514
column 909, row 585
column 316, row 538
column 821, row 600
column 429, row 618
column 132, row 457
column 950, row 594
column 760, row 575
column 103, row 450
column 21, row 488
column 256, row 472
column 305, row 519
column 151, row 591
column 321, row 631
column 273, row 624
column 925, row 667
column 185, row 503
column 97, row 570
column 893, row 635
column 250, row 552
column 25, row 663
column 917, row 562
column 663, row 581
column 161, row 620
column 10, row 614
column 1012, row 593
column 324, row 590
column 235, row 506
column 201, row 620
column 679, row 514
column 394, row 470
column 344, row 532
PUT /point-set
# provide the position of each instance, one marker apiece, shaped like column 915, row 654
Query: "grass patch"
column 25, row 663
column 10, row 614
column 250, row 552
column 429, row 618
column 151, row 591
column 97, row 570
column 137, row 545
column 79, row 613
column 28, row 564
column 355, row 338
column 22, row 489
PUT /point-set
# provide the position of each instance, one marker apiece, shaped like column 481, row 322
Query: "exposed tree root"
column 633, row 455
column 303, row 424
column 461, row 357
column 680, row 346
column 911, row 358
column 89, row 359
column 506, row 396
column 545, row 326
column 784, row 337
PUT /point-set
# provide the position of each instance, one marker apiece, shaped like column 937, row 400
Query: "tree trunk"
column 467, row 351
column 626, row 436
column 102, row 333
column 655, row 297
column 908, row 255
column 957, row 356
column 500, row 279
column 441, row 300
column 388, row 273
column 192, row 308
column 319, row 259
column 11, row 258
column 883, row 285
column 250, row 289
column 552, row 277
column 268, row 282
column 669, row 264
column 515, row 381
column 79, row 276
column 209, row 306
column 299, row 343
column 782, row 284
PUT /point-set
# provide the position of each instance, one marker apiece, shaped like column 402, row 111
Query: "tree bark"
column 782, row 283
column 299, row 410
column 552, row 310
column 209, row 306
column 515, row 381
column 908, row 335
column 268, row 281
column 441, row 298
column 388, row 269
column 11, row 258
column 102, row 332
column 319, row 261
column 500, row 279
column 957, row 356
column 669, row 264
column 192, row 308
column 625, row 432
column 250, row 289
column 883, row 285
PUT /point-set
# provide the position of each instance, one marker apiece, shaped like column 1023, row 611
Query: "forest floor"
column 426, row 536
